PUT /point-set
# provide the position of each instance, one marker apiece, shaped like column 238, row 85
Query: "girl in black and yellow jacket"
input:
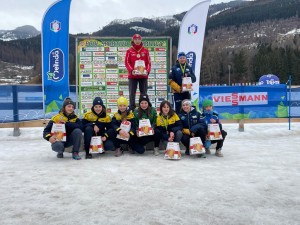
column 123, row 114
column 73, row 130
column 97, row 123
column 168, row 124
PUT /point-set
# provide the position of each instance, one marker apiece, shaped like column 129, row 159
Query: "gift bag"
column 59, row 131
column 172, row 151
column 96, row 145
column 125, row 125
column 139, row 67
column 214, row 132
column 187, row 84
column 196, row 146
column 145, row 128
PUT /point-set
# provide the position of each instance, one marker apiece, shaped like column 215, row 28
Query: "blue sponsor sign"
column 191, row 59
column 269, row 79
column 55, row 55
column 247, row 102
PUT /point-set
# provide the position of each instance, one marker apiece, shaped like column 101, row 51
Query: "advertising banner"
column 101, row 70
column 248, row 102
column 191, row 37
column 269, row 79
column 55, row 55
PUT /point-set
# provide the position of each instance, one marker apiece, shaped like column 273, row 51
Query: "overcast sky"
column 88, row 16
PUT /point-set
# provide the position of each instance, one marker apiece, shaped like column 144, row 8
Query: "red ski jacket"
column 132, row 54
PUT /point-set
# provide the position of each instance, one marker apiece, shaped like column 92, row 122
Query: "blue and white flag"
column 191, row 36
column 55, row 55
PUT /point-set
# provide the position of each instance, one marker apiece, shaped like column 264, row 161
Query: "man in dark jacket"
column 179, row 70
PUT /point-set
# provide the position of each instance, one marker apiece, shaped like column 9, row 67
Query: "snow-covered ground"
column 257, row 182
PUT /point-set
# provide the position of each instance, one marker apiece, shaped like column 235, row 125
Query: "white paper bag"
column 96, row 145
column 140, row 67
column 172, row 151
column 126, row 126
column 145, row 128
column 187, row 84
column 196, row 146
column 214, row 132
column 59, row 131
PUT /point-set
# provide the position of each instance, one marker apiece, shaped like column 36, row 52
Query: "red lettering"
column 235, row 97
column 216, row 99
column 250, row 98
column 227, row 98
column 264, row 97
column 242, row 98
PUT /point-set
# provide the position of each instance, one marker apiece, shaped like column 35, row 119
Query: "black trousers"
column 220, row 142
column 133, row 83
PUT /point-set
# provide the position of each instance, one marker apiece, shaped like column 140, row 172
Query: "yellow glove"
column 175, row 86
column 186, row 131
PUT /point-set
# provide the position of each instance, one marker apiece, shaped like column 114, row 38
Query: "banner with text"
column 101, row 70
column 55, row 55
column 248, row 102
column 191, row 37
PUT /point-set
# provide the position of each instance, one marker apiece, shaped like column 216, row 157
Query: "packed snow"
column 256, row 182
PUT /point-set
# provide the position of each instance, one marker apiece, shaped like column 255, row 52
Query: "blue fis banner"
column 55, row 55
column 248, row 102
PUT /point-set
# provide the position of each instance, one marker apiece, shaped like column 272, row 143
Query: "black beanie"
column 68, row 101
column 98, row 101
column 145, row 98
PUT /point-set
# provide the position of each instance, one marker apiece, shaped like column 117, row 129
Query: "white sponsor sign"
column 236, row 99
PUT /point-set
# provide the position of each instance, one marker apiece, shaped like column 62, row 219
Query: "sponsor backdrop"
column 101, row 70
column 191, row 36
column 248, row 102
column 55, row 55
column 25, row 102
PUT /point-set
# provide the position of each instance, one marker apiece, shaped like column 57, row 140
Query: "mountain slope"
column 23, row 32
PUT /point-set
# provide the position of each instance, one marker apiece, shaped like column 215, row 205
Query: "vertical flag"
column 55, row 55
column 191, row 37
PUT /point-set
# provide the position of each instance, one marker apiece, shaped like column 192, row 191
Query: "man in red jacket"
column 138, row 64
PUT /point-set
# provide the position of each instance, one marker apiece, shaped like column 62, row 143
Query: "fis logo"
column 56, row 65
column 55, row 26
column 192, row 29
column 191, row 59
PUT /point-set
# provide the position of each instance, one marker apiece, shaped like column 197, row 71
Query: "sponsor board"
column 109, row 77
column 237, row 99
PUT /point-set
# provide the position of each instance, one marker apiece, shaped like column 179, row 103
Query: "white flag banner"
column 191, row 37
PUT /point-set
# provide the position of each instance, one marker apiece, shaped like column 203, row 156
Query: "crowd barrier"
column 25, row 102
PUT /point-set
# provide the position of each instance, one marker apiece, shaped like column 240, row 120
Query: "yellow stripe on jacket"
column 90, row 116
column 163, row 122
column 61, row 117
